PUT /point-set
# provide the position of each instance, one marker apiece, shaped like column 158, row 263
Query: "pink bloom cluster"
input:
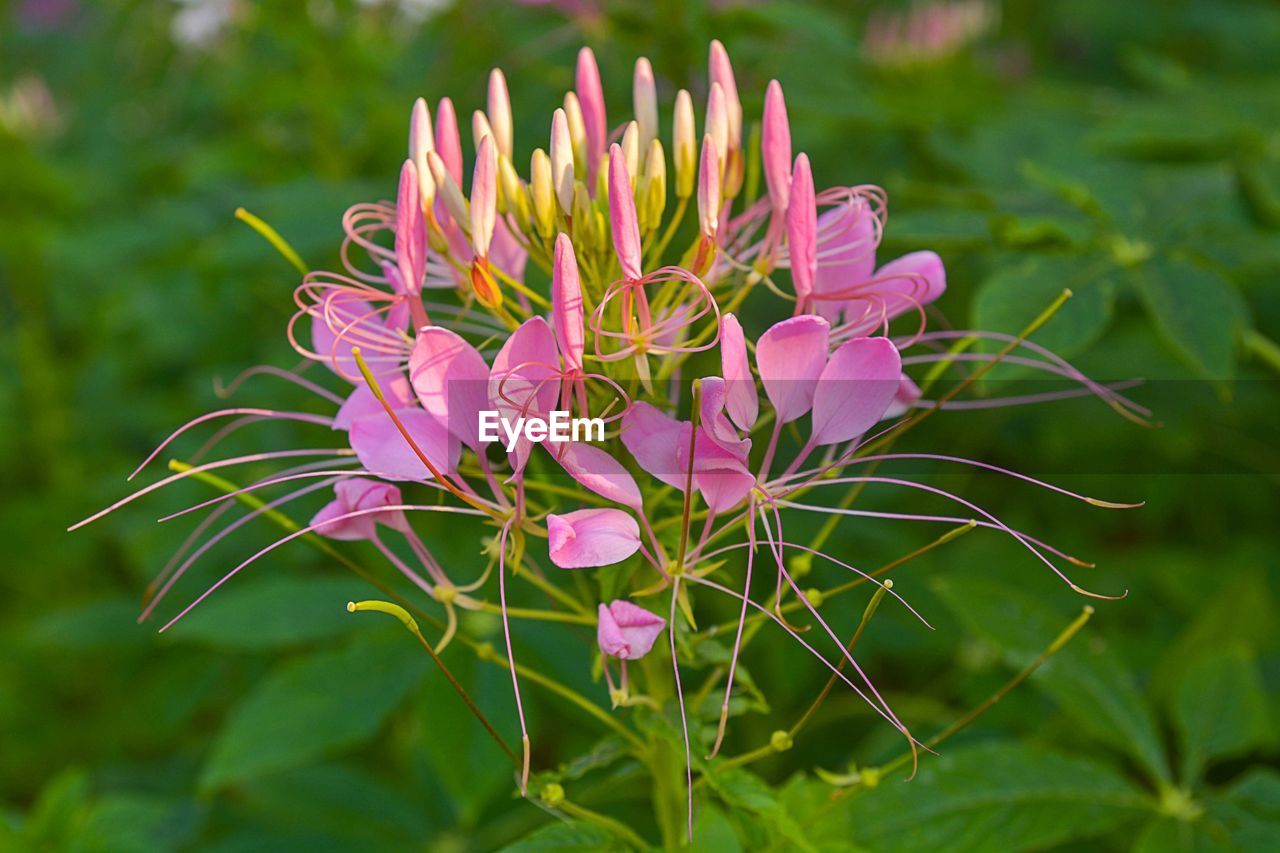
column 611, row 281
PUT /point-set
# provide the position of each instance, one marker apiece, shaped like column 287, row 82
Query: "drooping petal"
column 653, row 439
column 790, row 357
column 720, row 475
column 524, row 379
column 383, row 451
column 343, row 321
column 361, row 403
column 622, row 216
column 857, row 386
column 742, row 400
column 451, row 380
column 566, row 303
column 598, row 471
column 355, row 494
column 905, row 399
column 411, row 230
column 591, row 97
column 911, row 281
column 714, row 422
column 802, row 230
column 592, row 537
column 775, row 146
column 626, row 631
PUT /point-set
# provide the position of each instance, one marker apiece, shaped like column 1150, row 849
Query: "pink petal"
column 790, row 357
column 566, row 302
column 627, row 631
column 775, row 146
column 342, row 321
column 742, row 401
column 848, row 246
column 802, row 229
column 907, row 396
column 709, row 188
column 451, row 380
column 383, row 451
column 909, row 282
column 622, row 215
column 653, row 439
column 714, row 422
column 524, row 379
column 855, row 389
column 411, row 230
column 720, row 475
column 361, row 403
column 506, row 253
column 598, row 471
column 591, row 537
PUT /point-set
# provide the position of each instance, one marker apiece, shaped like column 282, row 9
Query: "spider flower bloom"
column 431, row 323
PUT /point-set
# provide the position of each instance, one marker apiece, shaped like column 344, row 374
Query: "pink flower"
column 626, row 631
column 591, row 537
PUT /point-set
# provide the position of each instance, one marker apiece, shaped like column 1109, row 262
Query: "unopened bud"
column 684, row 145
column 483, row 284
column 577, row 129
column 644, row 96
column 421, row 141
column 480, row 128
column 653, row 198
column 562, row 160
column 543, row 191
column 448, row 189
column 718, row 122
column 631, row 151
column 499, row 108
column 709, row 189
column 511, row 188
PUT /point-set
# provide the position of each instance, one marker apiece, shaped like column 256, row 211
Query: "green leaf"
column 713, row 833
column 1221, row 709
column 567, row 837
column 1249, row 811
column 313, row 707
column 271, row 613
column 1199, row 314
column 1016, row 295
column 740, row 789
column 1090, row 686
column 1000, row 796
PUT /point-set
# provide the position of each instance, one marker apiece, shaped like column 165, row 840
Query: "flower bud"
column 622, row 215
column 448, row 142
column 484, row 198
column 577, row 130
column 644, row 96
column 591, row 97
column 562, row 160
column 499, row 109
column 653, row 197
column 775, row 147
column 631, row 151
column 480, row 128
column 709, row 189
column 718, row 122
column 420, row 142
column 721, row 73
column 544, row 195
column 684, row 145
column 448, row 189
column 511, row 189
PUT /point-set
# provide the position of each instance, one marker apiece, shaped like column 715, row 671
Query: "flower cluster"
column 612, row 280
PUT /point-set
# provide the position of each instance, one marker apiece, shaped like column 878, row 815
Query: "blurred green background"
column 1129, row 151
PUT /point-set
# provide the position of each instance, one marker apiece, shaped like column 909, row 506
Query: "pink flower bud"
column 626, row 631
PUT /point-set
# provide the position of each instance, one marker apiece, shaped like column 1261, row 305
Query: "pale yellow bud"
column 543, row 191
column 450, row 192
column 480, row 128
column 684, row 145
column 562, row 160
column 631, row 150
